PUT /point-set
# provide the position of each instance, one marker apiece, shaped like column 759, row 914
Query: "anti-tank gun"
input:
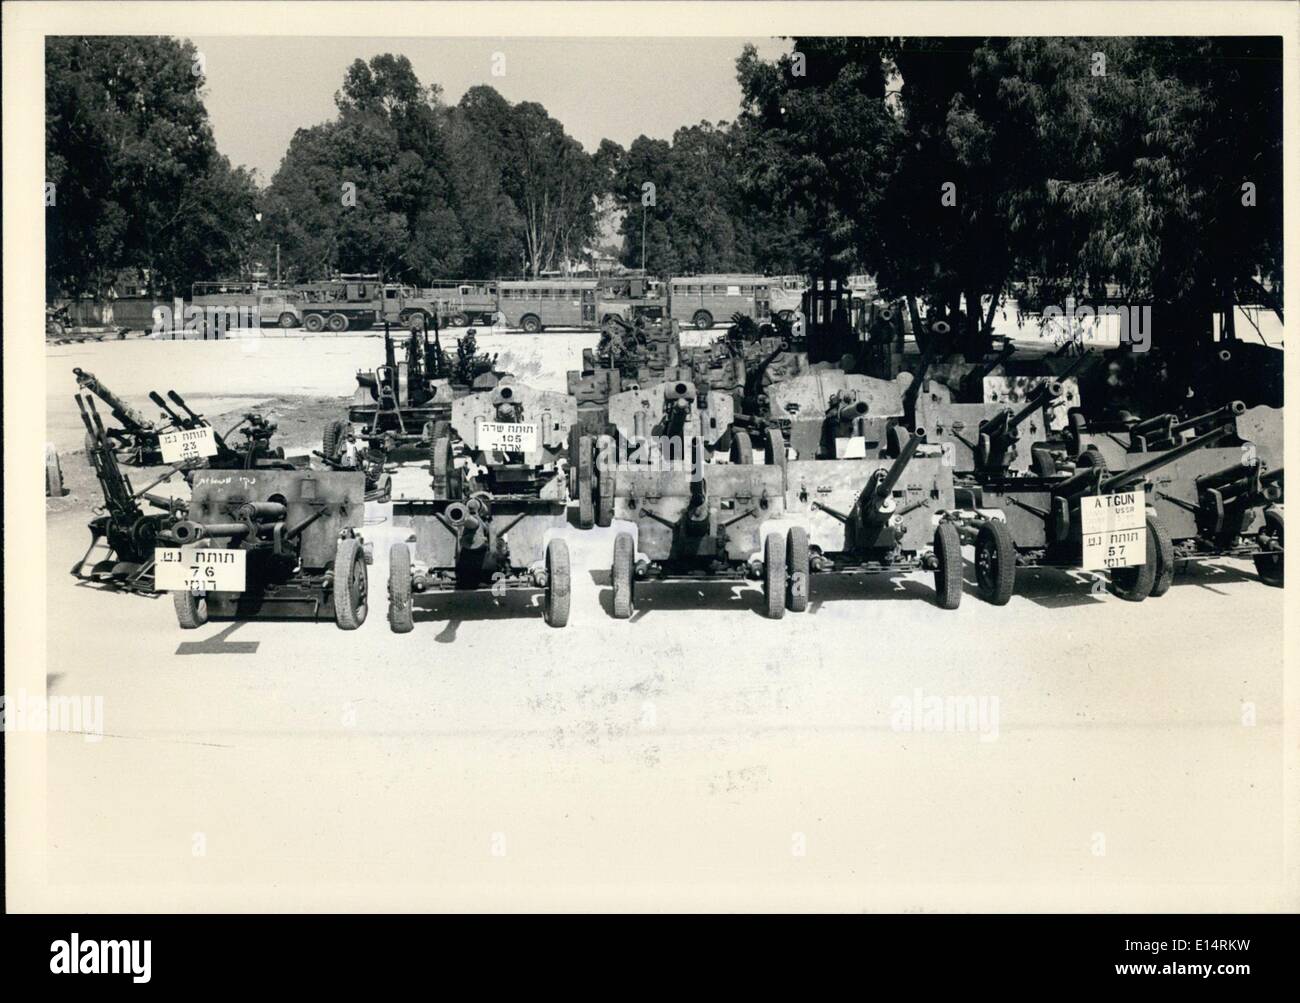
column 296, row 535
column 1031, row 520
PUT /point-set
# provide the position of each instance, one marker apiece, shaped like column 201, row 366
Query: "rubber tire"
column 288, row 320
column 605, row 500
column 703, row 320
column 995, row 537
column 774, row 580
column 458, row 320
column 332, row 437
column 401, row 615
column 1135, row 584
column 191, row 610
column 558, row 581
column 1271, row 568
column 530, row 323
column 1092, row 457
column 1164, row 560
column 897, row 437
column 350, row 611
column 774, row 448
column 53, row 473
column 798, row 570
column 337, row 323
column 742, row 449
column 314, row 323
column 441, row 464
column 586, row 484
column 947, row 576
column 621, row 576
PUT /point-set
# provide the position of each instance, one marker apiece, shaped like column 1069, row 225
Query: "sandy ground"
column 699, row 756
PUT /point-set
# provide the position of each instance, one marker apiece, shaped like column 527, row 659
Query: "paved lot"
column 698, row 756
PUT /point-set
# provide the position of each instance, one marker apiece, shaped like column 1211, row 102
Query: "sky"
column 261, row 89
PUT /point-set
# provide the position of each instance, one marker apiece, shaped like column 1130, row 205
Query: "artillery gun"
column 255, row 451
column 124, row 532
column 492, row 520
column 987, row 438
column 834, row 415
column 890, row 512
column 1222, row 501
column 136, row 442
column 694, row 522
column 1035, row 520
column 407, row 401
column 297, row 531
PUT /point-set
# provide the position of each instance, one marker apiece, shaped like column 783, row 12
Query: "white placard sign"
column 508, row 437
column 188, row 444
column 1114, row 530
column 200, row 569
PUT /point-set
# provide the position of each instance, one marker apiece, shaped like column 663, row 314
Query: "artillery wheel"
column 1164, row 545
column 191, row 609
column 621, row 576
column 1135, row 584
column 314, row 322
column 1042, row 463
column 53, row 473
column 400, row 613
column 586, row 499
column 605, row 497
column 798, row 571
column 774, row 448
column 331, row 439
column 995, row 562
column 947, row 575
column 1270, row 566
column 556, row 609
column 1092, row 457
column 897, row 438
column 442, row 465
column 350, row 585
column 742, row 450
column 337, row 323
column 774, row 580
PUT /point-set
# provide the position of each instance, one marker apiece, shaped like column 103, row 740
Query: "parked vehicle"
column 702, row 300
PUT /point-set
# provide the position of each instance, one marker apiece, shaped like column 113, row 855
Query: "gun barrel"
column 1229, row 411
column 849, row 411
column 1137, row 473
column 122, row 411
column 187, row 531
column 887, row 483
column 157, row 398
column 1041, row 396
column 1161, row 423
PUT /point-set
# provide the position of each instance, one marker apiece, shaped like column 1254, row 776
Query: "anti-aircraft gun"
column 124, row 532
column 1221, row 501
column 136, row 442
column 495, row 508
column 293, row 532
column 255, row 451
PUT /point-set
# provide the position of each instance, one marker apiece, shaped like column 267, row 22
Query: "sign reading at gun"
column 188, row 444
column 200, row 569
column 508, row 437
column 1114, row 530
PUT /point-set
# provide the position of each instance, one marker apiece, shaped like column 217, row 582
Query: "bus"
column 536, row 304
column 703, row 300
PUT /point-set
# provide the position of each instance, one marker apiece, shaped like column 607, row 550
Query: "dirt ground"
column 699, row 756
